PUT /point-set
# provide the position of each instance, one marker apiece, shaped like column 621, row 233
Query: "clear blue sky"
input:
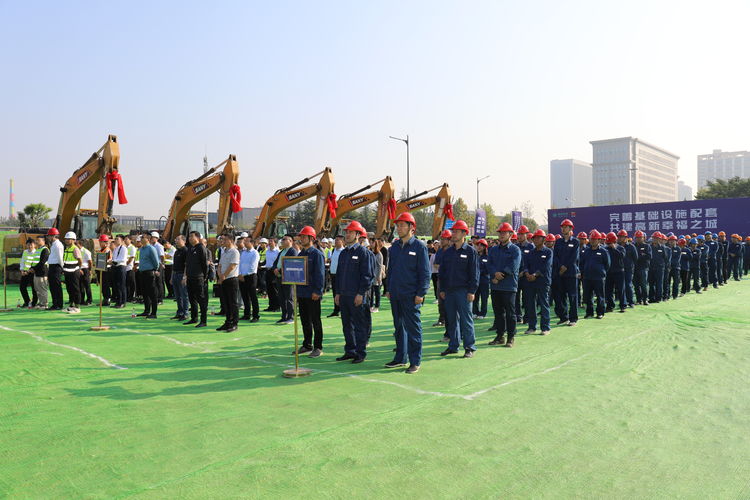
column 495, row 88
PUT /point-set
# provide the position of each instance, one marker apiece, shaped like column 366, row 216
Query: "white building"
column 721, row 165
column 570, row 183
column 628, row 170
column 684, row 192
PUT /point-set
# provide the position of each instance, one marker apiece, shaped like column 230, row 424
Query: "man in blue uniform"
column 722, row 262
column 734, row 251
column 686, row 256
column 537, row 270
column 483, row 292
column 459, row 279
column 642, row 265
column 659, row 263
column 353, row 279
column 673, row 273
column 408, row 283
column 615, row 281
column 565, row 274
column 668, row 257
column 503, row 266
column 713, row 251
column 631, row 258
column 695, row 264
column 594, row 266
column 524, row 243
column 703, row 261
column 308, row 296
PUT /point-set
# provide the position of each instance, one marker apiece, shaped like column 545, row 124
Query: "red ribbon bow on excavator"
column 332, row 205
column 235, row 196
column 116, row 177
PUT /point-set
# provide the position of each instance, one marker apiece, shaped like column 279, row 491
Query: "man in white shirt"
column 249, row 259
column 160, row 279
column 272, row 285
column 119, row 272
column 227, row 276
column 334, row 264
column 129, row 268
column 86, row 276
column 54, row 273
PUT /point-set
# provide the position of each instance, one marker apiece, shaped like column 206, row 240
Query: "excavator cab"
column 86, row 223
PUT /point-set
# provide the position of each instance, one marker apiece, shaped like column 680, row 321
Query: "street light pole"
column 478, row 181
column 405, row 141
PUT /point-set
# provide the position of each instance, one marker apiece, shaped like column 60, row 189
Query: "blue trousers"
column 712, row 277
column 734, row 267
column 537, row 294
column 673, row 278
column 407, row 325
column 591, row 289
column 629, row 287
column 615, row 290
column 120, row 285
column 640, row 280
column 655, row 284
column 458, row 319
column 566, row 296
column 480, row 300
column 180, row 294
column 355, row 326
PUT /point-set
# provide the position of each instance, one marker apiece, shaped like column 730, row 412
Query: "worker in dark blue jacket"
column 695, row 264
column 673, row 276
column 668, row 257
column 745, row 256
column 594, row 266
column 309, row 295
column 504, row 265
column 537, row 271
column 524, row 243
column 459, row 279
column 408, row 282
column 686, row 256
column 614, row 287
column 354, row 277
column 631, row 258
column 734, row 253
column 642, row 265
column 483, row 292
column 565, row 275
column 713, row 250
column 704, row 261
column 659, row 263
column 724, row 250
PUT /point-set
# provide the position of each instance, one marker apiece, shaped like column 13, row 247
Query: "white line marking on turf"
column 89, row 354
column 165, row 337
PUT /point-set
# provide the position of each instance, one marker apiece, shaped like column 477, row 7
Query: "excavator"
column 441, row 201
column 102, row 167
column 385, row 196
column 269, row 225
column 223, row 178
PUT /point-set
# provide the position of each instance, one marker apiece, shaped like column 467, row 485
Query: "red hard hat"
column 611, row 237
column 567, row 222
column 639, row 234
column 354, row 226
column 460, row 225
column 583, row 234
column 507, row 227
column 103, row 238
column 550, row 237
column 539, row 232
column 309, row 231
column 594, row 234
column 482, row 241
column 53, row 232
column 557, row 236
column 656, row 234
column 446, row 234
column 682, row 242
column 406, row 217
column 673, row 238
column 622, row 232
column 514, row 237
column 521, row 230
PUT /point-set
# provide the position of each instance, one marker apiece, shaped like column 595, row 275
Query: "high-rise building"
column 570, row 183
column 628, row 170
column 684, row 192
column 722, row 165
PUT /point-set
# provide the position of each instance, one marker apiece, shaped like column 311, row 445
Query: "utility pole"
column 405, row 141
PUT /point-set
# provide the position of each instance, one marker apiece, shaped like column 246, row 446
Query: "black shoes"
column 356, row 361
column 231, row 329
column 222, row 327
column 143, row 314
column 176, row 316
column 499, row 340
column 332, row 315
column 201, row 324
column 254, row 320
column 345, row 357
column 151, row 316
column 395, row 364
column 190, row 322
column 468, row 353
column 412, row 369
column 448, row 351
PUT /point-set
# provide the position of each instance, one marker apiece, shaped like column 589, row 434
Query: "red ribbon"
column 115, row 176
column 448, row 211
column 332, row 205
column 391, row 207
column 234, row 198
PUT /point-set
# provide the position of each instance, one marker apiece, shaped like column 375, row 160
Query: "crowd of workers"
column 525, row 275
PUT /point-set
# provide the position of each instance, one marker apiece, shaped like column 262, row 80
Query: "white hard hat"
column 243, row 235
column 263, row 240
column 155, row 234
column 365, row 243
column 70, row 235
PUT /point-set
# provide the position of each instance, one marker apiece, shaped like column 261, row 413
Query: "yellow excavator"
column 385, row 196
column 441, row 201
column 269, row 225
column 223, row 178
column 102, row 167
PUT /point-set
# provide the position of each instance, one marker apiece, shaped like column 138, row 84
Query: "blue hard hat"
column 707, row 233
column 670, row 234
column 693, row 241
column 682, row 236
column 701, row 237
column 715, row 235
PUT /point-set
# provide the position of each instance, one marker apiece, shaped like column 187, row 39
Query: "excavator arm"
column 219, row 178
column 353, row 201
column 101, row 163
column 292, row 195
column 440, row 201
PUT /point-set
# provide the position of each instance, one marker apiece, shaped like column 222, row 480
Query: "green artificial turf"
column 653, row 403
